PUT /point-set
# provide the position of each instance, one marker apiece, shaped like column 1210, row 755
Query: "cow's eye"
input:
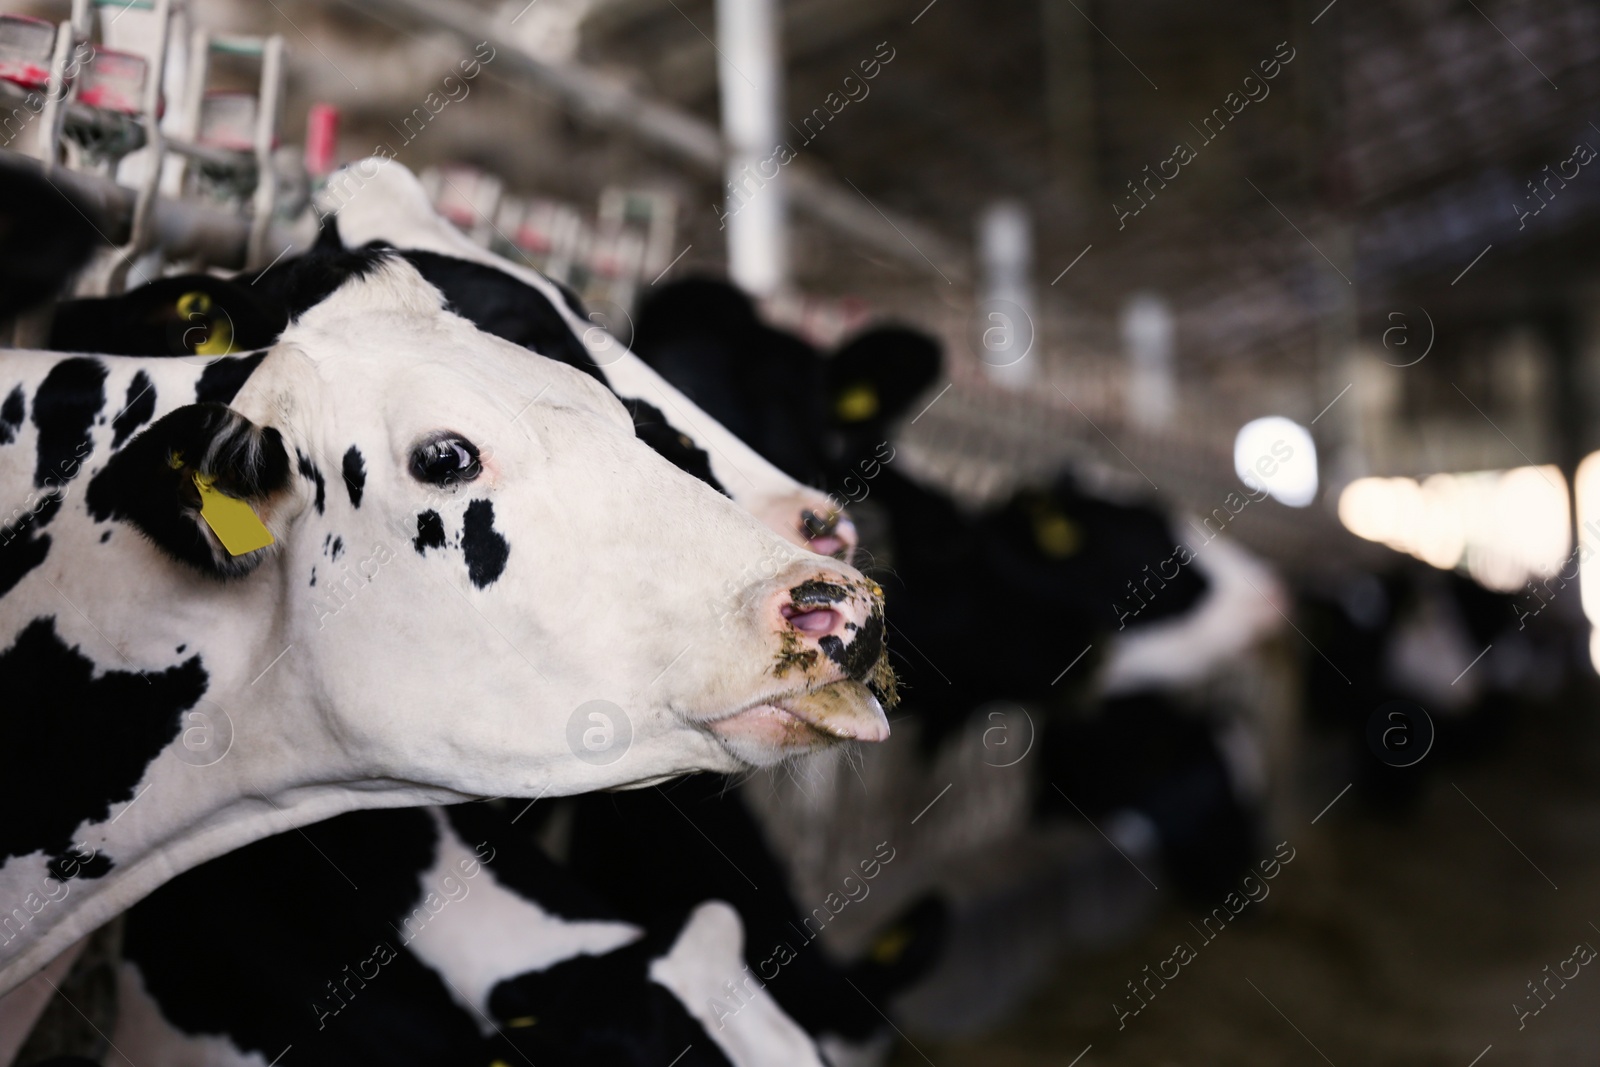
column 445, row 459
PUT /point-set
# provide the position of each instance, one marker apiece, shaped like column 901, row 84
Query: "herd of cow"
column 384, row 658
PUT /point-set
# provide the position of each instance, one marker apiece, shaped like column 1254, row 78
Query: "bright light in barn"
column 1586, row 490
column 1505, row 527
column 1278, row 455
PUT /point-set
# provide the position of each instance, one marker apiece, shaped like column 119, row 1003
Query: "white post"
column 750, row 77
column 1147, row 330
column 1007, row 327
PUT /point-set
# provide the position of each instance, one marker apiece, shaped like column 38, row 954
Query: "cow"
column 391, row 560
column 1409, row 639
column 1057, row 559
column 191, row 315
column 1065, row 558
column 433, row 936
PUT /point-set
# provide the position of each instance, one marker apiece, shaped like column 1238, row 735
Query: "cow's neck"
column 281, row 770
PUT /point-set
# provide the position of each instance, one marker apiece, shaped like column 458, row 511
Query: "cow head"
column 475, row 545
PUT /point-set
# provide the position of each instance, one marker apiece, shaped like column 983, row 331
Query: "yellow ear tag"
column 218, row 342
column 888, row 947
column 856, row 403
column 1056, row 535
column 236, row 525
column 193, row 303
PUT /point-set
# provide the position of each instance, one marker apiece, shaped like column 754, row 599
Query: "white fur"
column 708, row 953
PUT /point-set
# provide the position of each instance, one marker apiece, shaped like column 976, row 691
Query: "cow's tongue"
column 844, row 709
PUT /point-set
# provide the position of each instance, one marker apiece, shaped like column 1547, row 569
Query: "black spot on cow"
column 223, row 378
column 313, row 576
column 55, row 697
column 22, row 547
column 337, row 549
column 136, row 409
column 430, row 532
column 11, row 413
column 65, row 866
column 652, row 427
column 299, row 284
column 64, row 409
column 181, row 648
column 105, row 537
column 312, row 975
column 309, row 471
column 861, row 654
column 497, row 303
column 485, row 549
column 355, row 475
column 529, row 872
column 600, row 1009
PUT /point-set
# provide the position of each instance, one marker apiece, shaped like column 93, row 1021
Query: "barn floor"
column 1388, row 941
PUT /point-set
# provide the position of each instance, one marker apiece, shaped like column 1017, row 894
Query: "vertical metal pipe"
column 750, row 77
column 143, row 227
column 268, row 103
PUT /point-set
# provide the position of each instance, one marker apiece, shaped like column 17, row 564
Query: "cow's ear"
column 202, row 483
column 876, row 377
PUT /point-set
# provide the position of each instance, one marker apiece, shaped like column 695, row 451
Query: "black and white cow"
column 1411, row 636
column 435, row 936
column 471, row 551
column 1056, row 561
column 1063, row 558
column 813, row 991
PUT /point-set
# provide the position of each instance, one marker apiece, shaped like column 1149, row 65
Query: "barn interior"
column 1274, row 272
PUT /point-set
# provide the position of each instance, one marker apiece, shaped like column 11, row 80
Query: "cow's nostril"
column 816, row 526
column 812, row 620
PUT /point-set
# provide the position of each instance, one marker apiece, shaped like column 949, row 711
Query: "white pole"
column 1007, row 328
column 750, row 76
column 1147, row 339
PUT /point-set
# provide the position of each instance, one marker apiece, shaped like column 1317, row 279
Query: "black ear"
column 300, row 283
column 189, row 314
column 151, row 482
column 876, row 377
